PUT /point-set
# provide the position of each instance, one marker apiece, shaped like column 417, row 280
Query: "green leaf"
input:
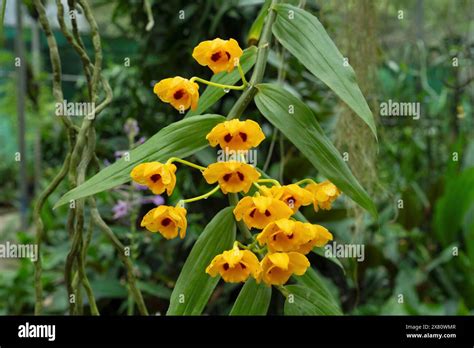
column 321, row 252
column 303, row 130
column 304, row 37
column 194, row 286
column 302, row 300
column 452, row 207
column 253, row 299
column 312, row 280
column 212, row 94
column 179, row 139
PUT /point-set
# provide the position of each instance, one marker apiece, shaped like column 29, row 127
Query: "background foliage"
column 408, row 250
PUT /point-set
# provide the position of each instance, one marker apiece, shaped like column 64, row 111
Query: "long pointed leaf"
column 194, row 286
column 253, row 299
column 303, row 36
column 312, row 280
column 302, row 129
column 180, row 139
column 305, row 301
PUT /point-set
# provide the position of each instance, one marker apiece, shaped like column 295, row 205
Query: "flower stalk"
column 198, row 198
column 248, row 95
column 187, row 163
column 219, row 85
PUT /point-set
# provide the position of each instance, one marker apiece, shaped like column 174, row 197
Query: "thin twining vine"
column 81, row 153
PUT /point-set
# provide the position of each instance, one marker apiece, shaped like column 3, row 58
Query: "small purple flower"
column 120, row 209
column 141, row 140
column 140, row 187
column 156, row 200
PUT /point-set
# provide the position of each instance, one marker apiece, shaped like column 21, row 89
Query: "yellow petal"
column 298, row 263
column 280, row 260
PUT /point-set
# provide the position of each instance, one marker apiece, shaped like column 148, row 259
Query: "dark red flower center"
column 243, row 136
column 166, row 221
column 226, row 266
column 155, row 177
column 178, row 94
column 242, row 265
column 267, row 213
column 227, row 176
column 216, row 56
column 228, row 138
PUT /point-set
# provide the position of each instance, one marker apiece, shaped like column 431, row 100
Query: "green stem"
column 283, row 290
column 98, row 221
column 182, row 161
column 2, row 17
column 242, row 74
column 214, row 84
column 233, row 200
column 270, row 181
column 40, row 231
column 149, row 14
column 204, row 196
column 259, row 70
column 82, row 271
column 248, row 95
column 307, row 180
column 242, row 246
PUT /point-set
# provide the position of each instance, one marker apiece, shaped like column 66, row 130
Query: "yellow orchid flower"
column 181, row 93
column 236, row 135
column 259, row 211
column 235, row 265
column 320, row 236
column 293, row 195
column 219, row 55
column 232, row 176
column 157, row 176
column 169, row 221
column 285, row 235
column 324, row 194
column 288, row 235
column 277, row 268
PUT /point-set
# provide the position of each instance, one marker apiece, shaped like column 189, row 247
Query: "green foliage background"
column 408, row 250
